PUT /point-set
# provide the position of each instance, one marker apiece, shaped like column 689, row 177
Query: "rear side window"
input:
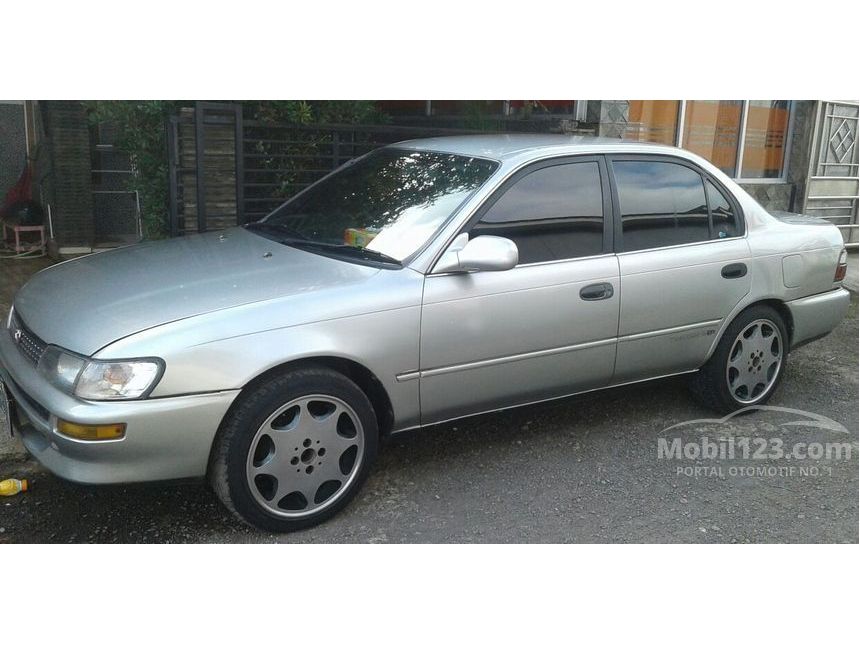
column 553, row 213
column 725, row 220
column 662, row 204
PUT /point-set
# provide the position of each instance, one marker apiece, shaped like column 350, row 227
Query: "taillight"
column 842, row 267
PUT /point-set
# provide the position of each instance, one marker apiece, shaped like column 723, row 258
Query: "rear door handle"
column 731, row 271
column 599, row 291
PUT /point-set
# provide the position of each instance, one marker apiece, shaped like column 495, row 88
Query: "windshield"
column 384, row 207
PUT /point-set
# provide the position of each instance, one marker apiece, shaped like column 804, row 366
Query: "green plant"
column 315, row 112
column 140, row 127
column 478, row 117
column 292, row 161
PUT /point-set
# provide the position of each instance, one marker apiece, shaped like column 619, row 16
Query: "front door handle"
column 599, row 291
column 731, row 271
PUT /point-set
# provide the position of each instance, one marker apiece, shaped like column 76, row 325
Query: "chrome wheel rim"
column 754, row 361
column 304, row 457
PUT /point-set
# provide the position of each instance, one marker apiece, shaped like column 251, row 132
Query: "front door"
column 683, row 264
column 543, row 329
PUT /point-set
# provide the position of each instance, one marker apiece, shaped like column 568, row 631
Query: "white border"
column 429, row 594
column 390, row 50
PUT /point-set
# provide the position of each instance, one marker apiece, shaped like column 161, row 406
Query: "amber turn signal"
column 91, row 433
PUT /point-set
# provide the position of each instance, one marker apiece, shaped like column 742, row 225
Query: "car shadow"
column 56, row 510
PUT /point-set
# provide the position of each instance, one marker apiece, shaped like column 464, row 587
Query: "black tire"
column 230, row 453
column 709, row 386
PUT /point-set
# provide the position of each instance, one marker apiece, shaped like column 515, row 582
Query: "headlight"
column 123, row 380
column 99, row 380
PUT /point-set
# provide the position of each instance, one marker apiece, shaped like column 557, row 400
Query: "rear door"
column 683, row 263
column 543, row 329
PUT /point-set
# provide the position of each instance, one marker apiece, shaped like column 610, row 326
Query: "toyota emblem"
column 16, row 335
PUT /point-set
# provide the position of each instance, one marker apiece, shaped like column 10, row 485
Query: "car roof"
column 505, row 146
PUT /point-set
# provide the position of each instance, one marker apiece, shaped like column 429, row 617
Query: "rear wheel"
column 748, row 363
column 293, row 452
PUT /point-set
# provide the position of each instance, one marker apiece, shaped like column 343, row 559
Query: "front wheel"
column 294, row 451
column 748, row 363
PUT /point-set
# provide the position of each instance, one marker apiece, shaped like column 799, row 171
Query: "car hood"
column 87, row 303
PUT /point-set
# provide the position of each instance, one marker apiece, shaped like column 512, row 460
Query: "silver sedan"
column 423, row 282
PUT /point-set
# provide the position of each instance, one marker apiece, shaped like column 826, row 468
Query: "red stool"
column 17, row 230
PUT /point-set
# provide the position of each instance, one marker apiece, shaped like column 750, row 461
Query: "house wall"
column 13, row 146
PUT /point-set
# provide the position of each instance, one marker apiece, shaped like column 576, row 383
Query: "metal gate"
column 205, row 167
column 116, row 209
column 225, row 170
column 832, row 187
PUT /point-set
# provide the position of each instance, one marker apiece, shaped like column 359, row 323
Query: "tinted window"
column 722, row 214
column 662, row 204
column 553, row 213
column 391, row 201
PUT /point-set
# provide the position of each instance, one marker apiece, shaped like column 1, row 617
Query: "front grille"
column 30, row 345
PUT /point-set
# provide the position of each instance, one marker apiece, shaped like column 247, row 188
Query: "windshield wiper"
column 294, row 238
column 346, row 249
column 290, row 233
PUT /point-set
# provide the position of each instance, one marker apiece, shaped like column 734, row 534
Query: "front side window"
column 553, row 213
column 384, row 206
column 662, row 204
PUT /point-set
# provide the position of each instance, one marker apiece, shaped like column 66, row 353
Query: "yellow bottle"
column 9, row 487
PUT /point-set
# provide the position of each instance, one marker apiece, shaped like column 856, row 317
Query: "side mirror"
column 483, row 253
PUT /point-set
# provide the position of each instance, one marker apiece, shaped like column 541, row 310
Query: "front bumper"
column 816, row 316
column 166, row 438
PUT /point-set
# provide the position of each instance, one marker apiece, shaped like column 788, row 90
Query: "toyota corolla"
column 426, row 281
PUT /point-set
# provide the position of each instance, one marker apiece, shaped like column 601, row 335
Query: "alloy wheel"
column 754, row 361
column 305, row 455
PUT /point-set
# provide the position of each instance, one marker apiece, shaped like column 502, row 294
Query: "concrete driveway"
column 582, row 470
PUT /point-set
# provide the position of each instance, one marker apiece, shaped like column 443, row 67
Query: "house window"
column 747, row 140
column 765, row 139
column 655, row 121
column 712, row 130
